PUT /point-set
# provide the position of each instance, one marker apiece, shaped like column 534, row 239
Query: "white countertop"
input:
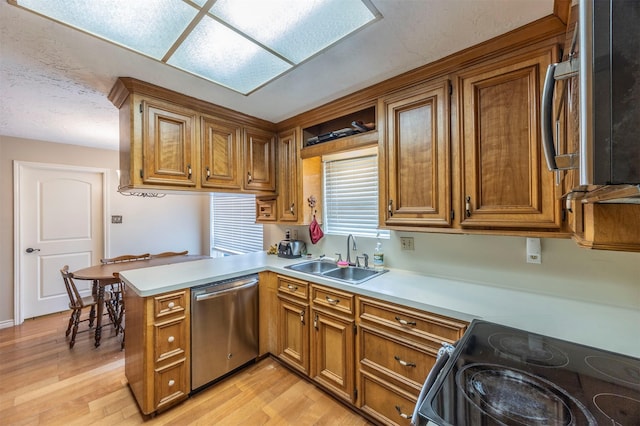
column 603, row 326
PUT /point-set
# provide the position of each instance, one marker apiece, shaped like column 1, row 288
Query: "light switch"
column 533, row 250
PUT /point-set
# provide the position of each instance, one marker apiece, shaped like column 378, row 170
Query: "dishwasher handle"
column 205, row 296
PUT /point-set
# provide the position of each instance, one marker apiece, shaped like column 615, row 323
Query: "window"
column 351, row 194
column 233, row 227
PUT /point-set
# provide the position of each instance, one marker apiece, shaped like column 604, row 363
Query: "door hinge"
column 453, row 214
column 355, row 394
column 141, row 174
column 141, row 109
column 450, row 89
column 355, row 329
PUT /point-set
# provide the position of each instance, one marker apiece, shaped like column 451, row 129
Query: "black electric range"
column 500, row 375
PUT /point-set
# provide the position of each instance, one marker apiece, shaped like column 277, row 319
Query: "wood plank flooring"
column 43, row 382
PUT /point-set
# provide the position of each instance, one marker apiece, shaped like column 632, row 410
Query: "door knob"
column 31, row 250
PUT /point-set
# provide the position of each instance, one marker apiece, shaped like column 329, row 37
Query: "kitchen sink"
column 327, row 269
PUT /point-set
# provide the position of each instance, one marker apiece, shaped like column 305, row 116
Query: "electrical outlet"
column 406, row 243
column 116, row 219
column 534, row 254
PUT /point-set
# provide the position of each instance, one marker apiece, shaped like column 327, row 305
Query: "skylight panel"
column 149, row 27
column 239, row 44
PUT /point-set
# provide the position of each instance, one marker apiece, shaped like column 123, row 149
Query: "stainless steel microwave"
column 608, row 65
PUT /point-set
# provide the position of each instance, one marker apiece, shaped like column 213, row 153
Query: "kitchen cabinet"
column 503, row 178
column 169, row 141
column 168, row 133
column 415, row 156
column 333, row 341
column 259, row 160
column 221, row 153
column 288, row 179
column 397, row 347
column 157, row 358
column 267, row 311
column 293, row 323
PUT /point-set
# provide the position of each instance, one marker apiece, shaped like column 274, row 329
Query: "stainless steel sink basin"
column 313, row 267
column 327, row 269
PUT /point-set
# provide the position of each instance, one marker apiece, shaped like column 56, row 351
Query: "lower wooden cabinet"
column 333, row 341
column 157, row 356
column 385, row 402
column 293, row 333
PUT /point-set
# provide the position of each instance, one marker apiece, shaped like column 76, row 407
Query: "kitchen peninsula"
column 448, row 304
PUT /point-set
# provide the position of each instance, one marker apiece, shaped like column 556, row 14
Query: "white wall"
column 567, row 271
column 175, row 222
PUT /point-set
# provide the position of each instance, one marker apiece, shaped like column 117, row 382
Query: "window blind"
column 351, row 196
column 233, row 227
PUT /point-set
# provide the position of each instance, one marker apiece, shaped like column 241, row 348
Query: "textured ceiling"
column 54, row 80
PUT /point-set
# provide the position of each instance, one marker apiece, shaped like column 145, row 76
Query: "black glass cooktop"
column 505, row 376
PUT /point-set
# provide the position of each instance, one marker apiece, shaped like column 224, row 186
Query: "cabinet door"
column 259, row 161
column 293, row 336
column 288, row 182
column 417, row 156
column 504, row 180
column 168, row 143
column 220, row 154
column 332, row 343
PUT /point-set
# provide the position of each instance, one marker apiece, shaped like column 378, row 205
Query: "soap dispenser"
column 378, row 255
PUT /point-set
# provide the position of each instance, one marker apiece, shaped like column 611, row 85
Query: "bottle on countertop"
column 378, row 255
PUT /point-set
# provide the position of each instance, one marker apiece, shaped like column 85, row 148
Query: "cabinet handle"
column 467, row 206
column 171, row 382
column 171, row 305
column 315, row 322
column 171, row 339
column 189, row 170
column 249, row 177
column 332, row 301
column 404, row 363
column 208, row 173
column 291, row 208
column 405, row 322
column 302, row 316
column 390, row 208
column 291, row 287
column 403, row 415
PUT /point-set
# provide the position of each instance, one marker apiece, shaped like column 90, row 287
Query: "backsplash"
column 566, row 271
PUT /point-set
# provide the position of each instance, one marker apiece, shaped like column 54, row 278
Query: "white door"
column 59, row 215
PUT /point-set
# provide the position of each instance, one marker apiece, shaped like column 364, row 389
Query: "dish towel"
column 314, row 230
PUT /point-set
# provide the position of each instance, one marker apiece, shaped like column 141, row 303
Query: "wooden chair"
column 77, row 303
column 170, row 253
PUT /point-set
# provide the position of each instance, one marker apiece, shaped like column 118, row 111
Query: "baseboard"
column 7, row 323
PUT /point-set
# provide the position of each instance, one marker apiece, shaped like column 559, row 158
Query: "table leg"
column 100, row 312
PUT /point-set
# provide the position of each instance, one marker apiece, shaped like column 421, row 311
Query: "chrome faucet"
column 355, row 247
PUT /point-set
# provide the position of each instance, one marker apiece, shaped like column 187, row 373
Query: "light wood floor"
column 42, row 382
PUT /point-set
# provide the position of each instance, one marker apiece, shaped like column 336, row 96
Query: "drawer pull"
column 171, row 382
column 302, row 316
column 405, row 322
column 171, row 339
column 403, row 415
column 402, row 362
column 332, row 301
column 315, row 322
column 292, row 287
column 171, row 305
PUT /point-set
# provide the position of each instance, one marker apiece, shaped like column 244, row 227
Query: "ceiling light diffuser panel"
column 239, row 44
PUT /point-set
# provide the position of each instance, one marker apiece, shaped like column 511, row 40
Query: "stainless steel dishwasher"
column 224, row 328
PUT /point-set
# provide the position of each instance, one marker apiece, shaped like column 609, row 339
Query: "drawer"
column 293, row 287
column 335, row 300
column 409, row 364
column 170, row 339
column 421, row 324
column 385, row 402
column 170, row 304
column 170, row 384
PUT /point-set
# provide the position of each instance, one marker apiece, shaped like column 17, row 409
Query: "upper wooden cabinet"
column 220, row 154
column 169, row 141
column 288, row 179
column 415, row 156
column 503, row 179
column 259, row 160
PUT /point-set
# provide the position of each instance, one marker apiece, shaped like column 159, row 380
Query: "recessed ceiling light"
column 239, row 44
